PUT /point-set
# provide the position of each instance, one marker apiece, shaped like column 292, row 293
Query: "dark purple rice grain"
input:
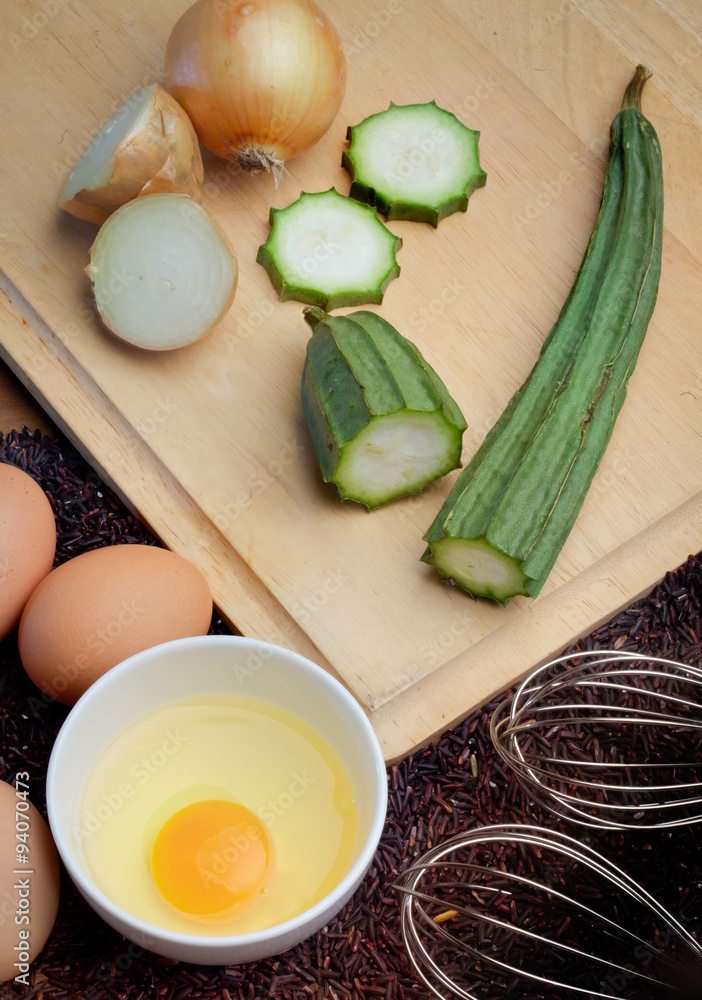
column 433, row 794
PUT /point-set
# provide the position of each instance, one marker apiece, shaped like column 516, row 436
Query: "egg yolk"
column 209, row 857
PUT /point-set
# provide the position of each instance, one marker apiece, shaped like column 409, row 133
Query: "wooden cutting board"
column 209, row 445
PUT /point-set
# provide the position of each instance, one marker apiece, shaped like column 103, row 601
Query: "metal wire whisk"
column 520, row 911
column 614, row 740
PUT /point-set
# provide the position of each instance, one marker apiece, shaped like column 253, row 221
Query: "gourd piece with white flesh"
column 415, row 162
column 163, row 272
column 329, row 251
column 511, row 509
column 382, row 421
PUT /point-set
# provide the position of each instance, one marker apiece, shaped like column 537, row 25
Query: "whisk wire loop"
column 429, row 940
column 517, row 970
column 468, row 911
column 616, row 764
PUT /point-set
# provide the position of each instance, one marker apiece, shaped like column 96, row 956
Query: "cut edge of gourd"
column 478, row 567
column 385, row 444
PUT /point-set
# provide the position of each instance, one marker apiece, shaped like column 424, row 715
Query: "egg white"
column 241, row 749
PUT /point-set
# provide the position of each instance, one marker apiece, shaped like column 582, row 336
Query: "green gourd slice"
column 382, row 421
column 329, row 251
column 511, row 509
column 415, row 162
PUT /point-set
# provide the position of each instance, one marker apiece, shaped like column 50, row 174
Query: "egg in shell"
column 29, row 880
column 103, row 606
column 27, row 542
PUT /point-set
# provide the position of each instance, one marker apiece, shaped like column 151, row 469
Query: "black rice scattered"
column 450, row 785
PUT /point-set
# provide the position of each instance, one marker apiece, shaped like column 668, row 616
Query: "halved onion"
column 146, row 147
column 163, row 272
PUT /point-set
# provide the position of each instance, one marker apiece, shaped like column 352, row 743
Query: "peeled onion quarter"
column 163, row 272
column 149, row 145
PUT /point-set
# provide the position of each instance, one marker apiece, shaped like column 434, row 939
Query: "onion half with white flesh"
column 148, row 146
column 163, row 272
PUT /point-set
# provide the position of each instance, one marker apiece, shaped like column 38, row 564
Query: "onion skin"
column 164, row 155
column 262, row 80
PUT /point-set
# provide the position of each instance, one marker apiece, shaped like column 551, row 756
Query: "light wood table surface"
column 209, row 444
column 18, row 408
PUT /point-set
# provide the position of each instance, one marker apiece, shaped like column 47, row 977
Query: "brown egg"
column 28, row 900
column 27, row 542
column 100, row 607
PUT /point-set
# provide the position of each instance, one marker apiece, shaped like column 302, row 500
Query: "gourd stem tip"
column 632, row 95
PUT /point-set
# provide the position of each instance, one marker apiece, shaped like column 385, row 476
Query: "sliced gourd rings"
column 329, row 251
column 163, row 272
column 415, row 162
column 148, row 146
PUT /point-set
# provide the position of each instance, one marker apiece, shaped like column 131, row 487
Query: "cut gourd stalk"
column 475, row 565
column 329, row 251
column 148, row 146
column 415, row 162
column 382, row 421
column 163, row 272
column 511, row 509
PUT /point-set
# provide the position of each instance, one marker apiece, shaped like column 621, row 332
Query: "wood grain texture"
column 209, row 445
column 18, row 408
column 119, row 455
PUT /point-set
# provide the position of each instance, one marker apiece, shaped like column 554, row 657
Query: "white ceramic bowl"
column 223, row 665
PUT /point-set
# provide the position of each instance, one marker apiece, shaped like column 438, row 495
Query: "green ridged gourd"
column 383, row 423
column 510, row 511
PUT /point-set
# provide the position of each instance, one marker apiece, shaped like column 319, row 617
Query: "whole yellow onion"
column 262, row 80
